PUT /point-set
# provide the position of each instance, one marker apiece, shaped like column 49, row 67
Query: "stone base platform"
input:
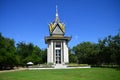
column 59, row 67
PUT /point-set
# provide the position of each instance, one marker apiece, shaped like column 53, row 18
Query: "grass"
column 63, row 74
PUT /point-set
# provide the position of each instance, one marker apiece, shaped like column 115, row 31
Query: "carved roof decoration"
column 56, row 23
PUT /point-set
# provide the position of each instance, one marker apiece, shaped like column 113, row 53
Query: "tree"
column 7, row 53
column 86, row 52
column 116, row 48
column 44, row 55
column 29, row 53
column 72, row 56
column 110, row 50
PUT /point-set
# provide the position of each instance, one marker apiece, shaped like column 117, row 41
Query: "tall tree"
column 7, row 53
column 29, row 53
column 72, row 56
column 86, row 52
column 44, row 55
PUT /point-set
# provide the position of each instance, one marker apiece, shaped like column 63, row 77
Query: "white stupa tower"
column 57, row 51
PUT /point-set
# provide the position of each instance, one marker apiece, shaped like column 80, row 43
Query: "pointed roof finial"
column 56, row 18
column 56, row 11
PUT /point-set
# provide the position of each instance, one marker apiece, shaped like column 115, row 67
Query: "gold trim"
column 51, row 27
column 62, row 27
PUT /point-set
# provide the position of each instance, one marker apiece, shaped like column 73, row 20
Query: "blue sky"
column 85, row 20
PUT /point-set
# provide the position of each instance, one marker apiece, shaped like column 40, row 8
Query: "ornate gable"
column 57, row 30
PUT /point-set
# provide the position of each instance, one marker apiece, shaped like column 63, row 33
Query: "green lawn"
column 63, row 74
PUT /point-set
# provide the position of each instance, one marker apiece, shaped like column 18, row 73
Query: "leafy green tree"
column 44, row 55
column 7, row 53
column 86, row 52
column 29, row 53
column 116, row 48
column 105, row 52
column 110, row 50
column 72, row 56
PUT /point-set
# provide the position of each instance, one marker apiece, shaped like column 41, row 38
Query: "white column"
column 54, row 53
column 66, row 56
column 50, row 53
column 61, row 53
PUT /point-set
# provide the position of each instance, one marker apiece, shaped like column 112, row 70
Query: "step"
column 60, row 66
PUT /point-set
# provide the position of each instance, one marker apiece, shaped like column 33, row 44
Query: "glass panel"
column 58, row 56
